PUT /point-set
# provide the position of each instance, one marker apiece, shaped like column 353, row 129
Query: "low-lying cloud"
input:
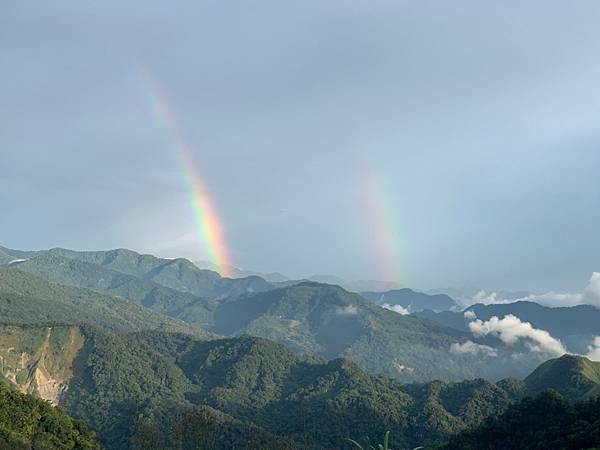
column 470, row 315
column 397, row 309
column 349, row 310
column 590, row 296
column 472, row 348
column 512, row 330
column 594, row 350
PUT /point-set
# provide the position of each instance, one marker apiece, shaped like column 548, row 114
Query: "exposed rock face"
column 39, row 360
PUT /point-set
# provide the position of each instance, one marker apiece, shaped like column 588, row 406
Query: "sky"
column 429, row 143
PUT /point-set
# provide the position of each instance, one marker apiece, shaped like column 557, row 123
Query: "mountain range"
column 136, row 387
column 158, row 354
column 411, row 301
column 276, row 277
column 307, row 317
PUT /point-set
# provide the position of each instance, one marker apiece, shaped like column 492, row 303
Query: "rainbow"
column 208, row 225
column 383, row 228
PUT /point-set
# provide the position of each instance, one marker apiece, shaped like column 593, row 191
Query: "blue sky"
column 479, row 122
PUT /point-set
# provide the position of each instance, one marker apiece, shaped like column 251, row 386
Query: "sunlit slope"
column 330, row 321
column 574, row 377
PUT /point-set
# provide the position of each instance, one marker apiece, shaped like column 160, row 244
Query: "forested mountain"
column 546, row 422
column 29, row 423
column 576, row 326
column 174, row 389
column 28, row 299
column 411, row 300
column 180, row 274
column 128, row 385
column 329, row 321
column 574, row 377
column 308, row 317
column 171, row 302
column 142, row 380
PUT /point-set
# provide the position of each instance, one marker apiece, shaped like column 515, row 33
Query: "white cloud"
column 349, row 310
column 555, row 299
column 511, row 330
column 594, row 350
column 486, row 298
column 397, row 309
column 591, row 295
column 471, row 348
column 470, row 315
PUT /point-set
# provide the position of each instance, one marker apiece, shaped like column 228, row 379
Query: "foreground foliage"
column 30, row 423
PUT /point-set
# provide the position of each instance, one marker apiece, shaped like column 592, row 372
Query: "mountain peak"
column 571, row 375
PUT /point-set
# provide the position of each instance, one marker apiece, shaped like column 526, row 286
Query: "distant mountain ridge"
column 236, row 272
column 179, row 274
column 576, row 326
column 413, row 301
column 29, row 299
column 276, row 277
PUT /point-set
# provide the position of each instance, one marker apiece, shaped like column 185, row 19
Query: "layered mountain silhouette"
column 307, row 317
column 108, row 353
column 575, row 326
column 411, row 300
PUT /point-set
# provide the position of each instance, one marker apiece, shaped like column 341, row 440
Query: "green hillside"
column 180, row 274
column 167, row 301
column 575, row 377
column 28, row 299
column 30, row 423
column 327, row 320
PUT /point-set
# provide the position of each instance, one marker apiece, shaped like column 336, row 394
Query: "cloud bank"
column 470, row 315
column 590, row 296
column 511, row 330
column 397, row 309
column 349, row 310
